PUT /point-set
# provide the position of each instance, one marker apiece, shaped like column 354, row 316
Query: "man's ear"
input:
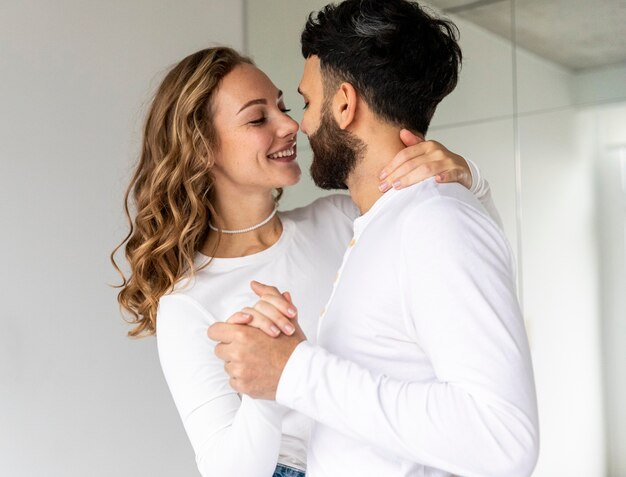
column 345, row 105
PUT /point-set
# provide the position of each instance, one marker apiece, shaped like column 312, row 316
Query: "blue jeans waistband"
column 283, row 470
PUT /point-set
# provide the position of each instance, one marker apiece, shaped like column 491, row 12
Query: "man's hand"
column 423, row 159
column 253, row 360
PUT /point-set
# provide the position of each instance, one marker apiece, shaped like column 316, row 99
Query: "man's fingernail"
column 384, row 187
column 289, row 329
column 397, row 184
column 291, row 311
column 383, row 175
column 246, row 315
column 274, row 330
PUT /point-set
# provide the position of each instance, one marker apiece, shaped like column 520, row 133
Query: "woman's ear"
column 345, row 105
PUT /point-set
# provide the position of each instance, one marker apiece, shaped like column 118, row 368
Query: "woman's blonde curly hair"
column 172, row 185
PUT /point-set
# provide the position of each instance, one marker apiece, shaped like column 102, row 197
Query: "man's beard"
column 335, row 153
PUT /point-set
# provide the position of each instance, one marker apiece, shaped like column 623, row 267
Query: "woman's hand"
column 272, row 314
column 423, row 159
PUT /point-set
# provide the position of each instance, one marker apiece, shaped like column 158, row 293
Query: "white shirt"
column 231, row 435
column 423, row 366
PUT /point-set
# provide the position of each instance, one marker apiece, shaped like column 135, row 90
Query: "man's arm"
column 421, row 159
column 478, row 418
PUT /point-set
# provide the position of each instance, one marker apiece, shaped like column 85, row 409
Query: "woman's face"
column 257, row 138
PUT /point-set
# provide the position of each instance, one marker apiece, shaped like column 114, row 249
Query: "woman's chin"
column 293, row 177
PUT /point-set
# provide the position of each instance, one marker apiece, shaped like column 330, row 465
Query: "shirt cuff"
column 474, row 172
column 293, row 374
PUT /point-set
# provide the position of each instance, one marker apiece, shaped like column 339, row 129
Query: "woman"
column 217, row 143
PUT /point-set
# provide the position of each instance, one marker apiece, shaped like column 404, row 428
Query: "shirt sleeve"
column 478, row 417
column 482, row 191
column 229, row 435
column 345, row 204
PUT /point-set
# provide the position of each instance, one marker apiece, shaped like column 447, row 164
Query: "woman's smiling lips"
column 286, row 155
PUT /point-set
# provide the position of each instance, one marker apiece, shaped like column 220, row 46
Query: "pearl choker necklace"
column 249, row 229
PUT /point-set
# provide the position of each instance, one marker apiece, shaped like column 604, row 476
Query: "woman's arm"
column 230, row 435
column 480, row 188
column 422, row 159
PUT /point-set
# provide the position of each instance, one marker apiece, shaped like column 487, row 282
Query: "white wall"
column 78, row 398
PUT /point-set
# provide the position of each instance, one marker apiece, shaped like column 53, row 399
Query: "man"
column 422, row 365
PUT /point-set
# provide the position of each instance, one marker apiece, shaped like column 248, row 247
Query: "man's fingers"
column 220, row 351
column 223, row 332
column 262, row 289
column 239, row 318
column 218, row 331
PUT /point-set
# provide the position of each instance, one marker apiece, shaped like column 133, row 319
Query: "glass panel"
column 571, row 78
column 560, row 288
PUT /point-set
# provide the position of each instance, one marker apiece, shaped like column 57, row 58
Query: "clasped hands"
column 252, row 346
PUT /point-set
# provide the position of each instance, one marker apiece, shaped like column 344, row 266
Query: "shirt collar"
column 362, row 222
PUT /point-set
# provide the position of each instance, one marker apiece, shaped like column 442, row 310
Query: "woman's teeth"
column 285, row 153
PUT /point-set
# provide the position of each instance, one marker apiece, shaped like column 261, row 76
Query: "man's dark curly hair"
column 401, row 59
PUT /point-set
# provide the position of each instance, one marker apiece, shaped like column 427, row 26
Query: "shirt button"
column 322, row 312
column 352, row 242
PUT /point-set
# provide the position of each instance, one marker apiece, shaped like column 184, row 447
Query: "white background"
column 78, row 398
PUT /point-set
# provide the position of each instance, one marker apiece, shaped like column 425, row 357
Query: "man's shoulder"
column 444, row 216
column 444, row 210
column 429, row 194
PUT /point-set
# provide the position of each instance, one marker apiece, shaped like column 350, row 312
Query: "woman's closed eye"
column 263, row 119
column 257, row 122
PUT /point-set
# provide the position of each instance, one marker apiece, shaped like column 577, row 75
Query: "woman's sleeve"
column 481, row 190
column 229, row 435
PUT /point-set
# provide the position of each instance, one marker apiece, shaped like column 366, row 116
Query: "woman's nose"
column 289, row 127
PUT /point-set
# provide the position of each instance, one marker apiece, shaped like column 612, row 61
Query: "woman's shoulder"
column 328, row 208
column 185, row 298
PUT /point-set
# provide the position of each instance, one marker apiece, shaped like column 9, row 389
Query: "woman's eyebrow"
column 258, row 101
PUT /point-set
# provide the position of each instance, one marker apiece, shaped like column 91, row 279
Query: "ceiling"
column 577, row 34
